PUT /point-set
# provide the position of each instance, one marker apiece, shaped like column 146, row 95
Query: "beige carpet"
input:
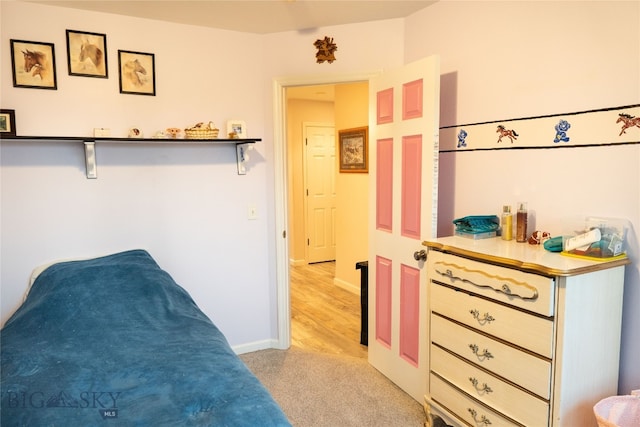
column 316, row 389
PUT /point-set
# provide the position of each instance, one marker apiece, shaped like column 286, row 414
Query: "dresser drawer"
column 525, row 290
column 517, row 366
column 518, row 327
column 455, row 401
column 503, row 397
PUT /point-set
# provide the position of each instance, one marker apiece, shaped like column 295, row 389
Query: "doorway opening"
column 311, row 198
column 286, row 254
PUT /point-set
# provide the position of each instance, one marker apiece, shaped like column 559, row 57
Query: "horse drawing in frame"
column 94, row 54
column 36, row 63
column 133, row 70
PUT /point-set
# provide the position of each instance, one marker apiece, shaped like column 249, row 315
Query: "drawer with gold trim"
column 524, row 290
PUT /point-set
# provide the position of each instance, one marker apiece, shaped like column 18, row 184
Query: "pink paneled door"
column 410, row 314
column 403, row 205
column 411, row 207
column 384, row 188
column 383, row 302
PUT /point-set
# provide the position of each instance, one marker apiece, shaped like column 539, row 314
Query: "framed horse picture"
column 354, row 150
column 137, row 72
column 87, row 54
column 33, row 64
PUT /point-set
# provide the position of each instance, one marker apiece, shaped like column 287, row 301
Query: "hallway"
column 324, row 317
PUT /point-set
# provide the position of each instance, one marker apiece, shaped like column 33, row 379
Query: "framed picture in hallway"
column 354, row 149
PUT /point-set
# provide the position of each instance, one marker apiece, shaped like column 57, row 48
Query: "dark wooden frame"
column 354, row 150
column 86, row 68
column 127, row 83
column 8, row 125
column 28, row 78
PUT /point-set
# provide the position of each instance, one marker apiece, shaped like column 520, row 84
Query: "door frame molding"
column 283, row 340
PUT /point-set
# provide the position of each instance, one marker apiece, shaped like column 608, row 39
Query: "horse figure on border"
column 36, row 63
column 93, row 53
column 509, row 133
column 132, row 71
column 629, row 121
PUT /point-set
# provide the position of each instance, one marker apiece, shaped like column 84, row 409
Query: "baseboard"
column 347, row 286
column 297, row 262
column 255, row 346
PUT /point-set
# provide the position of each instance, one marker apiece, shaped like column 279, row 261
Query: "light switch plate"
column 252, row 212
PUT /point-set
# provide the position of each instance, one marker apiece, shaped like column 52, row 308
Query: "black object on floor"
column 364, row 301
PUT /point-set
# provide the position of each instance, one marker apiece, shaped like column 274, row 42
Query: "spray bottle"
column 521, row 222
column 507, row 223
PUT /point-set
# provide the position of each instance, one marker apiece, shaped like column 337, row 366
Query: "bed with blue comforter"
column 114, row 341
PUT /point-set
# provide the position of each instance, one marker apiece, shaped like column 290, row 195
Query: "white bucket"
column 618, row 411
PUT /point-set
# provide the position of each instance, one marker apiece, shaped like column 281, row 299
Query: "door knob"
column 420, row 255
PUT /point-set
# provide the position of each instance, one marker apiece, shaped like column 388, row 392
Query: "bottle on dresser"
column 507, row 223
column 521, row 222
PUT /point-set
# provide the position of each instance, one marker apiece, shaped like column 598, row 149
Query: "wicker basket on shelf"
column 202, row 131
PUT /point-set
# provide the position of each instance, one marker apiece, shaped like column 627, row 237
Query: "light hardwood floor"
column 324, row 317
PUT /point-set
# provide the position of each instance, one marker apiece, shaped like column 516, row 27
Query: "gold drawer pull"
column 484, row 355
column 484, row 389
column 486, row 319
column 483, row 420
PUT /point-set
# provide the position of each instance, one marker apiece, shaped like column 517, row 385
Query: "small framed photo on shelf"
column 7, row 123
column 354, row 150
column 87, row 54
column 236, row 129
column 33, row 64
column 137, row 72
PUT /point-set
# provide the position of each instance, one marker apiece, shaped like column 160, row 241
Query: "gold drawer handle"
column 483, row 420
column 486, row 319
column 484, row 355
column 484, row 389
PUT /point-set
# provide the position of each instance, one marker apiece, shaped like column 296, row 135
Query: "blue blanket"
column 115, row 341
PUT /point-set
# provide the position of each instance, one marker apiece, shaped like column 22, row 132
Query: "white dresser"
column 520, row 335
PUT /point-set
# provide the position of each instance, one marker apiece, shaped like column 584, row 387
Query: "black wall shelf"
column 242, row 146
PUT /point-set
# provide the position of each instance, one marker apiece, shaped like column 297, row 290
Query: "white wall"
column 503, row 60
column 352, row 191
column 185, row 204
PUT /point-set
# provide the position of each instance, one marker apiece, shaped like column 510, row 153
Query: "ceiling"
column 253, row 16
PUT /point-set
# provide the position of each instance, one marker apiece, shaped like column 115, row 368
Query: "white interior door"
column 320, row 167
column 404, row 122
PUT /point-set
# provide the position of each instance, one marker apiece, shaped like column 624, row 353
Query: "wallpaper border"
column 607, row 126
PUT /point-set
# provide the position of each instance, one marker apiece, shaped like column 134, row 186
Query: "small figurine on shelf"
column 173, row 132
column 234, row 135
column 135, row 133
